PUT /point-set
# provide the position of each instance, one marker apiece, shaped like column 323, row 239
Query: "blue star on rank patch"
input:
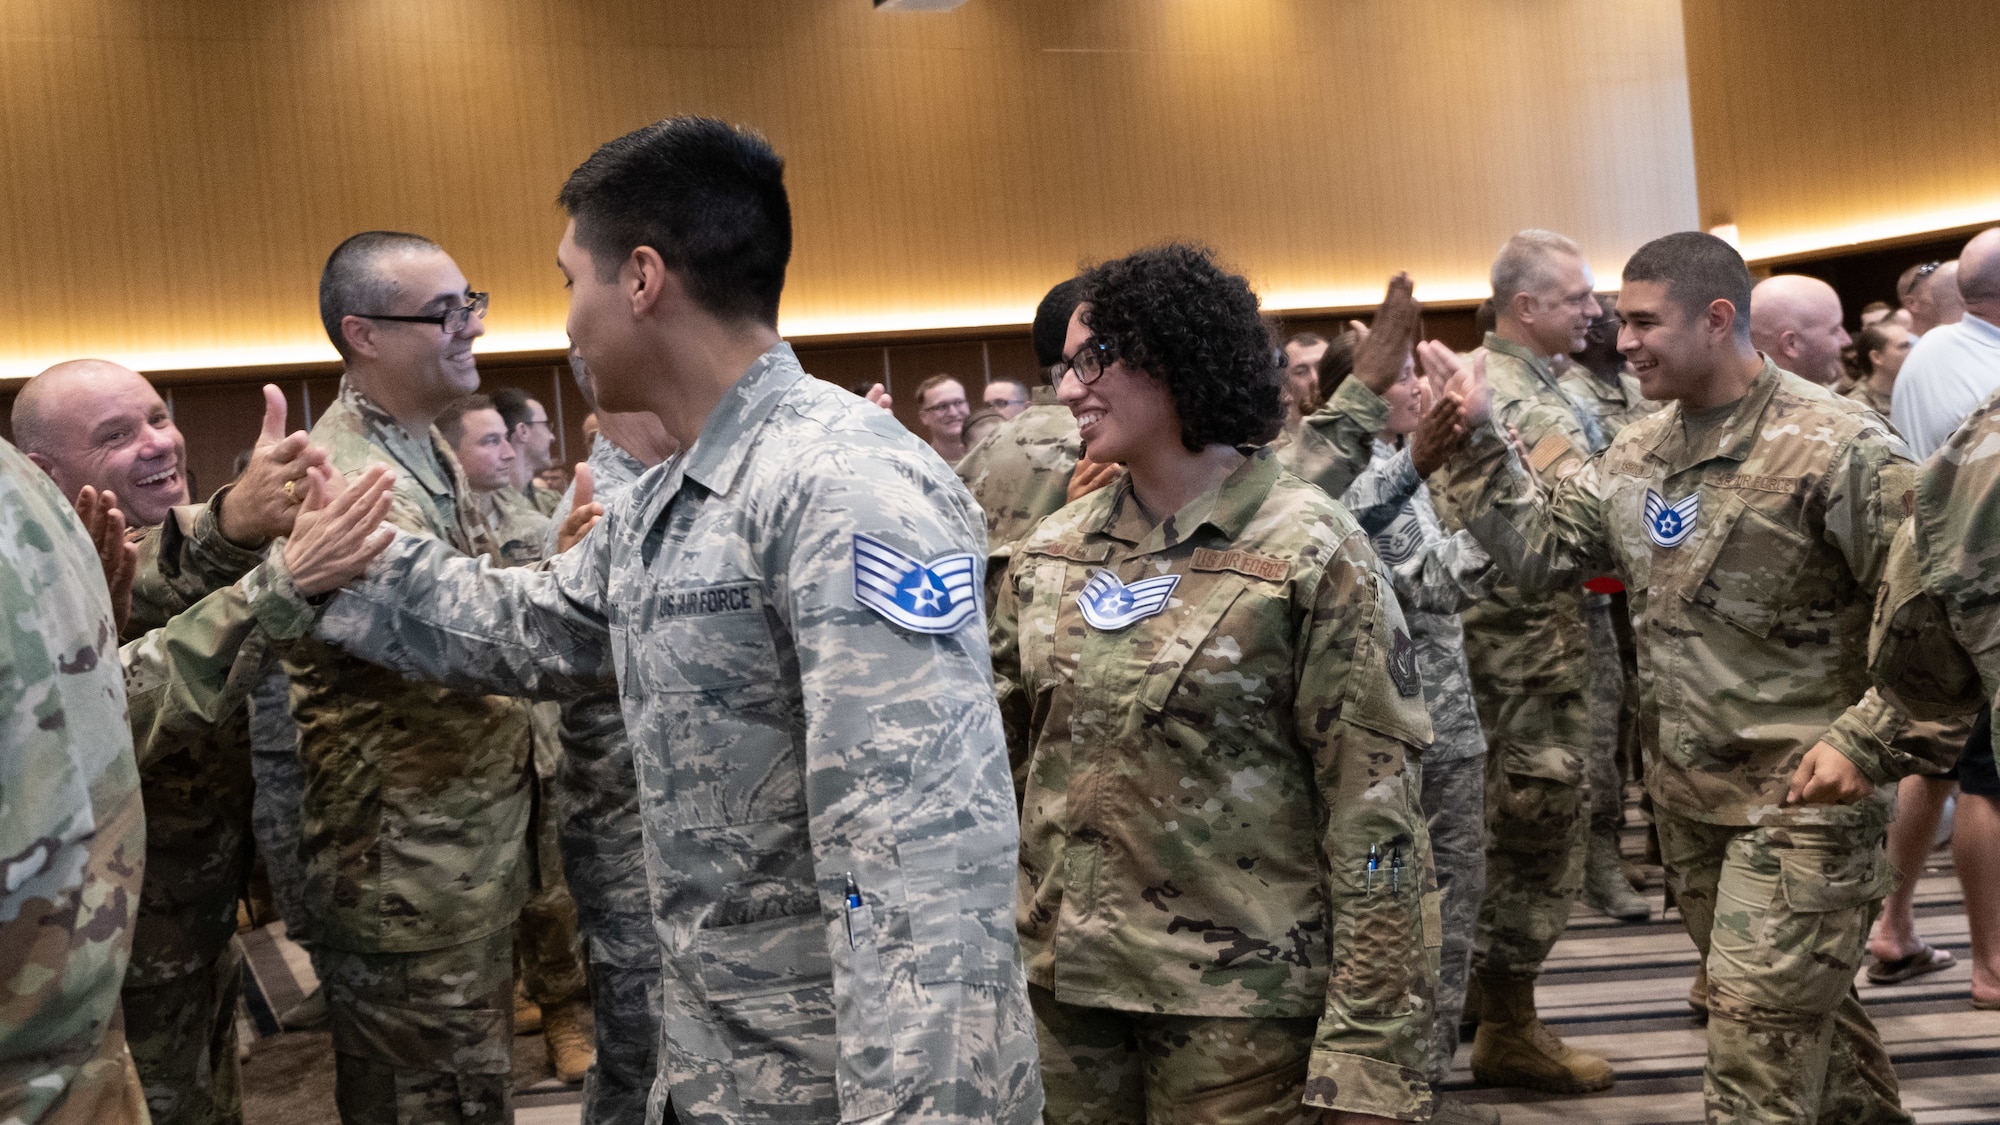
column 923, row 597
column 1669, row 525
column 1109, row 605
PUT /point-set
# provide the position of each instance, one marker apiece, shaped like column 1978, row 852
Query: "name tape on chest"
column 1669, row 525
column 709, row 601
column 1109, row 605
column 937, row 596
column 1242, row 562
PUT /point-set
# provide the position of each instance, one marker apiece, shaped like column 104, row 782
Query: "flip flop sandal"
column 1924, row 960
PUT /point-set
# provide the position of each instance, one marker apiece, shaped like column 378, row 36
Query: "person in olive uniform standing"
column 1227, row 905
column 1750, row 520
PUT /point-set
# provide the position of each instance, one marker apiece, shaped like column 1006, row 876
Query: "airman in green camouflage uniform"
column 1751, row 535
column 1020, row 472
column 1221, row 813
column 830, row 827
column 416, row 811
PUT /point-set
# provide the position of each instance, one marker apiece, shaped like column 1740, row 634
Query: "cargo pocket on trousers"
column 1817, row 930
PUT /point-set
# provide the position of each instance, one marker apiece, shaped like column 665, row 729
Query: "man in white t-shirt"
column 1954, row 367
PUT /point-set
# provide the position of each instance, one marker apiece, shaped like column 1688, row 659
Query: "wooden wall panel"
column 178, row 169
column 1822, row 124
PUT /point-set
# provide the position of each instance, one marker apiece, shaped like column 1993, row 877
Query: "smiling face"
column 1405, row 398
column 105, row 426
column 1125, row 412
column 1670, row 350
column 1560, row 310
column 424, row 357
column 485, row 452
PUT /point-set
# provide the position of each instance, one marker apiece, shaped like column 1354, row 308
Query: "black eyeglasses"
column 452, row 321
column 1089, row 362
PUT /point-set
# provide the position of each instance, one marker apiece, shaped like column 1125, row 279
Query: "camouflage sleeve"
column 1543, row 541
column 1377, row 496
column 1009, row 686
column 186, row 677
column 910, row 808
column 1334, row 445
column 183, row 561
column 1867, row 493
column 1451, row 574
column 1360, row 715
column 433, row 614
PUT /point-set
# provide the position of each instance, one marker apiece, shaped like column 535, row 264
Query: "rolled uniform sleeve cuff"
column 211, row 552
column 1365, row 407
column 281, row 611
column 1354, row 1083
column 1863, row 733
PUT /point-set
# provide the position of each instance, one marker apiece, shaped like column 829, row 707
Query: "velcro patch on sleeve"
column 1548, row 451
column 1242, row 562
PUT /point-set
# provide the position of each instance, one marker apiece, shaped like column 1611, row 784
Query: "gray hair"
column 351, row 283
column 1523, row 264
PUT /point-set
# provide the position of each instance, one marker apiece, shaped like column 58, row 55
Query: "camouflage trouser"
column 1454, row 798
column 1781, row 917
column 183, row 1039
column 545, row 947
column 1101, row 1066
column 624, row 967
column 423, row 1037
column 1537, row 830
column 274, row 812
column 1610, row 720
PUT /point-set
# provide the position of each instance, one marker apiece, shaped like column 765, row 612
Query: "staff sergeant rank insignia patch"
column 1110, row 605
column 933, row 597
column 1669, row 525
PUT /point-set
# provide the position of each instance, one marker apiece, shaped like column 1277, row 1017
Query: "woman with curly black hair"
column 1227, row 905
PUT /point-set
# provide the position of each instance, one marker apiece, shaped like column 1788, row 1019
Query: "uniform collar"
column 418, row 454
column 1733, row 439
column 725, row 439
column 1226, row 508
column 1544, row 370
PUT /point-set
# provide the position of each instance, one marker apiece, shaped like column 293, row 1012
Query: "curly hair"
column 1172, row 312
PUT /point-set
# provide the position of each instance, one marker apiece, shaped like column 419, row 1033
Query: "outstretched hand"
column 1459, row 380
column 105, row 525
column 584, row 513
column 1439, row 435
column 880, row 396
column 1379, row 355
column 261, row 507
column 339, row 528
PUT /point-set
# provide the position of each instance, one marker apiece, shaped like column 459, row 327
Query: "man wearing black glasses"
column 417, row 798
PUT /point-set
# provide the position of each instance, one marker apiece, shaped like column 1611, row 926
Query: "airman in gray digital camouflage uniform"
column 1750, row 520
column 790, row 614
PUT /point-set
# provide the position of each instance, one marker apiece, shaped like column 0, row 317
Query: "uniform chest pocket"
column 1182, row 657
column 704, row 638
column 1038, row 614
column 1749, row 568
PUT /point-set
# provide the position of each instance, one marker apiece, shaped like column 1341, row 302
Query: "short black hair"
column 512, row 403
column 451, row 423
column 1873, row 338
column 1172, row 312
column 1698, row 269
column 351, row 284
column 1052, row 323
column 708, row 196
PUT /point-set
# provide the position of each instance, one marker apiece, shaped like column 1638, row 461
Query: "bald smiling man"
column 1795, row 320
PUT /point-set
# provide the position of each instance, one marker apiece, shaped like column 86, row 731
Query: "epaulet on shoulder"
column 1063, row 522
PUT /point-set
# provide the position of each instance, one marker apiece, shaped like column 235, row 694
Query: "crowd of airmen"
column 1207, row 745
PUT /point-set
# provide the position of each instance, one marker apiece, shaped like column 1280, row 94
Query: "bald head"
column 1933, row 298
column 1979, row 275
column 1795, row 320
column 96, row 423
